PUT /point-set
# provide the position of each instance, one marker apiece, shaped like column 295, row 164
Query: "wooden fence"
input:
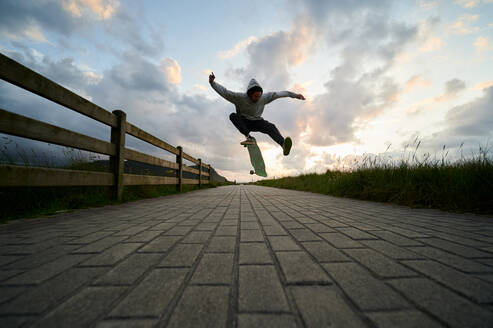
column 18, row 125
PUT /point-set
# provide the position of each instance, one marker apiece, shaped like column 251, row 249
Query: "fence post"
column 179, row 172
column 200, row 173
column 210, row 174
column 117, row 162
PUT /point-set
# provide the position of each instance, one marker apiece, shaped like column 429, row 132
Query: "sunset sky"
column 377, row 74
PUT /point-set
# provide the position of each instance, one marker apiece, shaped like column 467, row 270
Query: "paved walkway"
column 248, row 256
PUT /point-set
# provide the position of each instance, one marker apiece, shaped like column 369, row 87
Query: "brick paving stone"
column 367, row 292
column 178, row 231
column 292, row 225
column 47, row 270
column 37, row 299
column 100, row 245
column 214, row 269
column 266, row 320
column 7, row 293
column 198, row 237
column 127, row 323
column 283, row 243
column 182, row 255
column 165, row 226
column 201, row 306
column 403, row 319
column 453, row 260
column 260, row 290
column 144, row 236
column 378, row 263
column 248, row 256
column 392, row 251
column 222, row 245
column 254, row 253
column 160, row 244
column 299, row 268
column 449, row 307
column 227, row 231
column 451, row 247
column 473, row 288
column 251, row 235
column 250, row 226
column 129, row 270
column 152, row 295
column 83, row 308
column 324, row 252
column 275, row 230
column 304, row 235
column 319, row 227
column 112, row 255
column 340, row 241
column 322, row 306
column 355, row 233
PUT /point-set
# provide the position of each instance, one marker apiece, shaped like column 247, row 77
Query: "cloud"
column 432, row 43
column 172, row 70
column 452, row 89
column 472, row 120
column 240, row 46
column 463, row 25
column 271, row 57
column 416, row 81
column 358, row 89
column 428, row 5
column 102, row 9
column 483, row 85
column 482, row 43
column 468, row 4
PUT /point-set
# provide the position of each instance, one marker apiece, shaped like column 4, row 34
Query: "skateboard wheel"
column 252, row 172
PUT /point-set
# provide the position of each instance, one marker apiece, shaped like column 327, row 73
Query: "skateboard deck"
column 256, row 160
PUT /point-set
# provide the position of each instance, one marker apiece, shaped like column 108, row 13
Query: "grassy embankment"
column 465, row 185
column 28, row 202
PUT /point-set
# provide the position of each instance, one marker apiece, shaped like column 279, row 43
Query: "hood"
column 253, row 83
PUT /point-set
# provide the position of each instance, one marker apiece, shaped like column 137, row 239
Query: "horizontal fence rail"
column 22, row 126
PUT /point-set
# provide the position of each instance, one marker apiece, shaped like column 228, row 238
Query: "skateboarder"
column 249, row 108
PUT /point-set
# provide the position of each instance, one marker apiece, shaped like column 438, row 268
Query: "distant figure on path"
column 249, row 108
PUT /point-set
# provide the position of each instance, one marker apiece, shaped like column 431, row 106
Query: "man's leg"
column 240, row 123
column 268, row 128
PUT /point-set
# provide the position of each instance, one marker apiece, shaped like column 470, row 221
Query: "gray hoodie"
column 244, row 105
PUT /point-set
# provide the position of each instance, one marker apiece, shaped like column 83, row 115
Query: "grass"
column 465, row 185
column 29, row 202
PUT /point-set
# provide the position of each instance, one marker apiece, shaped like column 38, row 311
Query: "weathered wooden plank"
column 135, row 179
column 23, row 176
column 21, row 76
column 22, row 126
column 137, row 156
column 179, row 172
column 117, row 162
column 190, row 169
column 191, row 181
column 147, row 137
column 190, row 158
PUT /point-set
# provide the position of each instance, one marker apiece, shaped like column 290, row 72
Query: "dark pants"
column 246, row 126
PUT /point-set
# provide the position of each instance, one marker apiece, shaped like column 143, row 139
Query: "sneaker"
column 287, row 146
column 248, row 141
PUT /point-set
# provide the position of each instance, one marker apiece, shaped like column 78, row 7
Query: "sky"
column 379, row 76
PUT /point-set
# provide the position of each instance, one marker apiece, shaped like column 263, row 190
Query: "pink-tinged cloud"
column 101, row 9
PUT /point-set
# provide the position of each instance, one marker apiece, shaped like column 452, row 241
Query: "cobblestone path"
column 248, row 256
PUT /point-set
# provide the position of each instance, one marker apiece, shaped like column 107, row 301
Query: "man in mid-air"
column 249, row 109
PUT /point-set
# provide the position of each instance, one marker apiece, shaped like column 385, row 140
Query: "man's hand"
column 300, row 96
column 211, row 77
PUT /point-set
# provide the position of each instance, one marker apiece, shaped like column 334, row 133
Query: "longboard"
column 256, row 160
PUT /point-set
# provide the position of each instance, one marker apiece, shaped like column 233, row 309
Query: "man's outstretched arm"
column 271, row 96
column 222, row 91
